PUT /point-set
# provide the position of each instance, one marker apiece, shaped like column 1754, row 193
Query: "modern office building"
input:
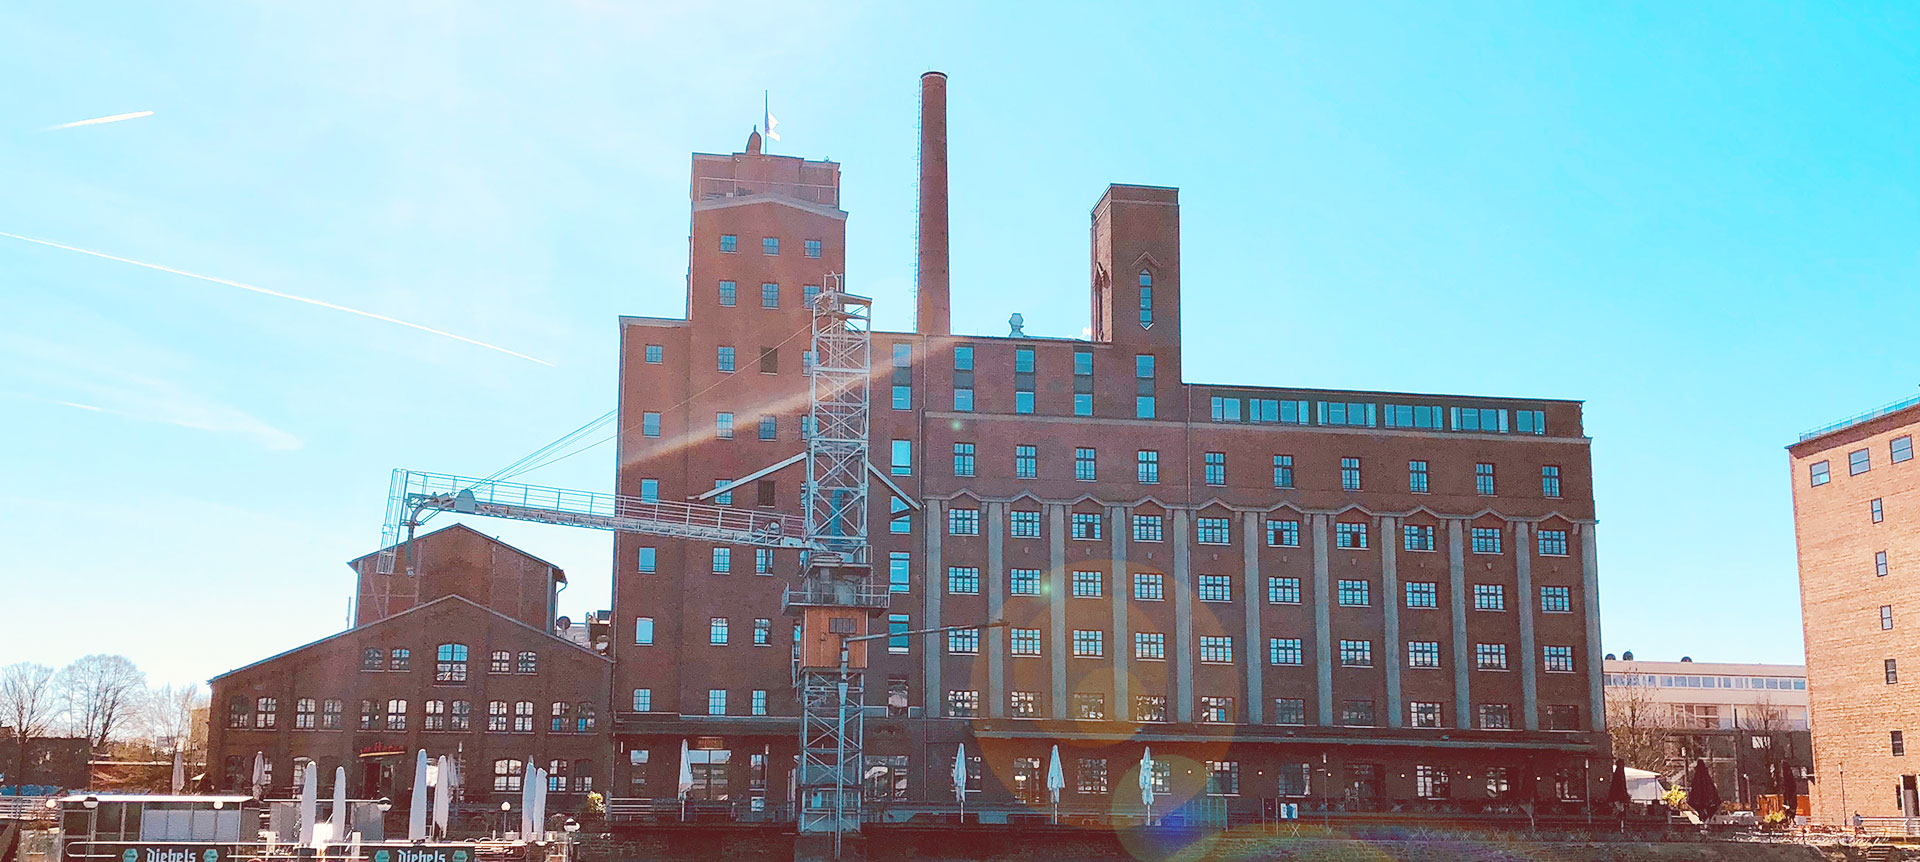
column 1745, row 720
column 1856, row 492
column 1342, row 595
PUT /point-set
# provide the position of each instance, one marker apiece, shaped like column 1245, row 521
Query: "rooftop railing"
column 1868, row 416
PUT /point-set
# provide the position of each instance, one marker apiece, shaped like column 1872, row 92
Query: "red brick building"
column 1856, row 488
column 459, row 658
column 1331, row 595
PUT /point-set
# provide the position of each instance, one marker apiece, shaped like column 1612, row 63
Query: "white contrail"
column 99, row 120
column 258, row 289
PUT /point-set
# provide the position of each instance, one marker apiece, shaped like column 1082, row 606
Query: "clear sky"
column 1701, row 219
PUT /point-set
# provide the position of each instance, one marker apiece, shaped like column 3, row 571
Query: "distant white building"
column 1715, row 695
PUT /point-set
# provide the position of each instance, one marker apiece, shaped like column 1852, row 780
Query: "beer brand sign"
column 173, row 853
column 424, row 853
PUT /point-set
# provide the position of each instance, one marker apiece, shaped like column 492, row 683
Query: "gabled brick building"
column 459, row 658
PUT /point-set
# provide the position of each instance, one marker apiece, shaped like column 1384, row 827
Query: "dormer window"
column 1146, row 299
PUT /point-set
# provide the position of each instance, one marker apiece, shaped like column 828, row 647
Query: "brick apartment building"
column 1856, row 490
column 1350, row 595
column 460, row 659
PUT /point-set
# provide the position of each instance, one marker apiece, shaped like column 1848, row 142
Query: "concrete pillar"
column 1250, row 604
column 1317, row 526
column 1529, row 654
column 932, row 649
column 1182, row 587
column 994, row 641
column 1059, row 645
column 1462, row 650
column 1122, row 518
column 1590, row 588
column 1390, row 606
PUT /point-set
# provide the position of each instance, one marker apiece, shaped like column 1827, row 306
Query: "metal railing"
column 25, row 808
column 711, row 188
column 845, row 595
column 1870, row 415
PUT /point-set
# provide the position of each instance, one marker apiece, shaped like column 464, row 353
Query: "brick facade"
column 1856, row 705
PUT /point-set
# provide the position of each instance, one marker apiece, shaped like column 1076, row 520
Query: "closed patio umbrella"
column 417, row 808
column 309, row 803
column 1056, row 781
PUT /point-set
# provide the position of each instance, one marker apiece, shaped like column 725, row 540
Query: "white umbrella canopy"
column 309, row 803
column 540, row 806
column 686, row 770
column 442, row 797
column 527, row 777
column 417, row 809
column 960, row 773
column 339, row 816
column 1056, row 777
column 259, row 772
column 1146, row 777
column 179, row 770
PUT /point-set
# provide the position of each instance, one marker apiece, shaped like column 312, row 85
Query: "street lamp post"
column 571, row 826
column 505, row 807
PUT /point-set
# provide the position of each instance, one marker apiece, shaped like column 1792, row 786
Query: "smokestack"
column 933, row 312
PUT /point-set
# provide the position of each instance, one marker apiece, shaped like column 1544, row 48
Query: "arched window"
column 1146, row 298
column 583, row 776
column 523, row 716
column 450, row 663
column 584, row 718
column 562, row 717
column 462, row 716
column 557, row 776
column 239, row 713
column 529, row 663
column 501, row 662
column 506, row 775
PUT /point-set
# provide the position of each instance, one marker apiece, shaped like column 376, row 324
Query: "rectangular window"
column 1150, row 646
column 962, row 460
column 898, row 641
column 1024, row 525
column 1083, row 383
column 723, row 426
column 1422, row 594
column 1283, row 591
column 902, row 396
column 1092, row 776
column 1283, row 534
column 1215, row 468
column 1283, row 471
column 1089, row 643
column 1216, row 588
column 649, row 424
column 963, row 641
column 1483, row 479
column 1875, row 511
column 899, row 572
column 1023, row 704
column 1354, row 594
column 643, row 631
column 1223, row 778
column 765, row 494
column 1212, row 531
column 1151, row 707
column 1423, row 714
column 769, row 428
column 1089, row 707
column 963, row 522
column 1560, row 716
column 1357, row 713
column 1148, row 466
column 1143, row 377
column 1489, row 597
column 1216, row 649
column 813, row 248
column 1485, row 419
column 1423, row 654
column 1553, row 543
column 902, row 519
column 1149, row 587
column 769, row 360
column 724, row 498
column 729, row 294
column 1350, row 474
column 1086, row 525
column 723, row 359
column 1417, row 537
column 1901, row 449
column 1285, row 651
column 1886, row 617
column 770, row 245
column 1880, row 564
column 1549, row 481
column 717, row 631
column 1557, row 659
column 763, row 632
column 963, row 580
column 1486, row 540
column 1859, row 461
column 1025, row 582
column 1356, row 653
column 1025, row 463
column 1291, row 710
column 1216, row 710
column 1898, row 742
column 807, row 293
column 649, row 561
column 656, row 354
column 722, row 560
column 1556, row 600
column 1411, row 416
column 1352, row 413
column 758, row 702
column 1083, row 463
column 1148, row 528
column 1496, row 716
column 1086, row 585
column 1818, row 473
column 1226, row 409
column 1417, row 477
column 1023, row 380
column 729, row 243
column 963, row 703
column 769, row 295
column 1892, row 670
column 900, row 454
column 716, row 701
column 1348, row 535
column 1025, row 642
column 1530, row 421
column 1490, row 656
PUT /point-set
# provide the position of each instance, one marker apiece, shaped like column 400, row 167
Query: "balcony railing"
column 871, row 596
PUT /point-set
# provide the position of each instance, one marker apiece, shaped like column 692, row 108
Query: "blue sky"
column 1701, row 219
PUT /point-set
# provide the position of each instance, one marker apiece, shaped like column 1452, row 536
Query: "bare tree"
column 1641, row 729
column 27, row 705
column 100, row 693
column 167, row 717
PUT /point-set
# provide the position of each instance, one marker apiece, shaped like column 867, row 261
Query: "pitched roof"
column 559, row 573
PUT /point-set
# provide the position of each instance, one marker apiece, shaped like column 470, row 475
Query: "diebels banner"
column 425, row 853
column 175, row 853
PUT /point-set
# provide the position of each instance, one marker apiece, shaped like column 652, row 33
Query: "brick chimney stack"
column 933, row 307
